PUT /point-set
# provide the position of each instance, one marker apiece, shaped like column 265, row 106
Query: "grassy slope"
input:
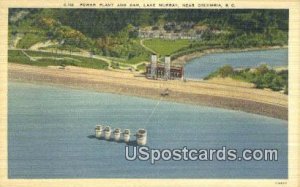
column 166, row 47
column 19, row 57
column 141, row 67
column 133, row 47
column 137, row 59
column 30, row 39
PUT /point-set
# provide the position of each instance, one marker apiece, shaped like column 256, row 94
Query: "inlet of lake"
column 50, row 135
column 201, row 67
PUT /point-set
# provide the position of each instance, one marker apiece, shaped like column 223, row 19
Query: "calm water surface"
column 50, row 128
column 199, row 68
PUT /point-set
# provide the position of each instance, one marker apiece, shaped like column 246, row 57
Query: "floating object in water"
column 126, row 135
column 141, row 137
column 117, row 134
column 107, row 132
column 98, row 131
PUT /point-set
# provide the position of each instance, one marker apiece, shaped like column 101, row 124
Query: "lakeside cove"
column 184, row 59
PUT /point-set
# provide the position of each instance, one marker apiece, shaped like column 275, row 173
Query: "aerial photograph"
column 203, row 91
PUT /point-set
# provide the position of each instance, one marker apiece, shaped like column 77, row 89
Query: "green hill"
column 115, row 33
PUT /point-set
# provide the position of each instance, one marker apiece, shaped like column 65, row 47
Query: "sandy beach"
column 224, row 94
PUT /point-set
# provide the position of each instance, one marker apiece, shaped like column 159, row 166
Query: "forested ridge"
column 98, row 23
column 115, row 32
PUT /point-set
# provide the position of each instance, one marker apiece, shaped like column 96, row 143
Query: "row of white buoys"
column 98, row 131
column 141, row 137
column 126, row 135
column 107, row 133
column 117, row 134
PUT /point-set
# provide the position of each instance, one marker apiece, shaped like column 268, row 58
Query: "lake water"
column 199, row 68
column 50, row 136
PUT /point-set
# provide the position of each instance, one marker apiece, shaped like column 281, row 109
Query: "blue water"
column 50, row 136
column 199, row 68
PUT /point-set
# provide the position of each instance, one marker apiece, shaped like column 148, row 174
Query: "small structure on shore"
column 165, row 71
column 165, row 92
column 117, row 134
column 126, row 135
column 141, row 137
column 107, row 132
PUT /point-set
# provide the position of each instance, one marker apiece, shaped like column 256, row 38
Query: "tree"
column 262, row 69
column 225, row 71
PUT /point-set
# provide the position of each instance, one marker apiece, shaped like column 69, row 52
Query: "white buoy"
column 126, row 135
column 117, row 134
column 98, row 131
column 107, row 132
column 141, row 137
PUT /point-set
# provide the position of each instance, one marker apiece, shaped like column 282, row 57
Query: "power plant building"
column 163, row 71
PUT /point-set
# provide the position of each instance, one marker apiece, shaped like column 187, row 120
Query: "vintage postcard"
column 144, row 93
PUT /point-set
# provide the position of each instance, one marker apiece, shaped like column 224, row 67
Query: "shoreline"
column 184, row 59
column 262, row 102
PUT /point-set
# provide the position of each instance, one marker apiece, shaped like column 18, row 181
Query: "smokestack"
column 153, row 59
column 153, row 65
column 167, row 67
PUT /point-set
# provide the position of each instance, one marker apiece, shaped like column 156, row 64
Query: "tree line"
column 97, row 23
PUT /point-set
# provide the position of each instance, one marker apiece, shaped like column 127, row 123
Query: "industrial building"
column 163, row 71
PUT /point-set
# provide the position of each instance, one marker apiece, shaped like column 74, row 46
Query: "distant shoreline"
column 184, row 59
column 214, row 94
